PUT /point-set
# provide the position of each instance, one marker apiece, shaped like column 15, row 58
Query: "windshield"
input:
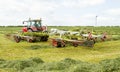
column 34, row 23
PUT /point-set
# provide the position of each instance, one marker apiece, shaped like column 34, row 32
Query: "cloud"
column 71, row 20
column 110, row 17
column 56, row 12
column 14, row 11
column 82, row 3
column 115, row 11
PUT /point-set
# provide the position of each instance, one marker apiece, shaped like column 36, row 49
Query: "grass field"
column 9, row 50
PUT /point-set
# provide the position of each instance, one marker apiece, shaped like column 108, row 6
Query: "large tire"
column 30, row 30
column 17, row 39
column 75, row 44
column 58, row 44
column 29, row 40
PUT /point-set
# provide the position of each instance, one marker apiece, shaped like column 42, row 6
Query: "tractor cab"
column 33, row 26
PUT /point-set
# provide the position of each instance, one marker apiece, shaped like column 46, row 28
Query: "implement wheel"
column 17, row 38
column 75, row 44
column 29, row 40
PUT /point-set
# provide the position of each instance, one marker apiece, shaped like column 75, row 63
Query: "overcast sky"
column 61, row 12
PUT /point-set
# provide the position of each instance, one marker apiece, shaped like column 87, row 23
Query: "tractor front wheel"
column 30, row 30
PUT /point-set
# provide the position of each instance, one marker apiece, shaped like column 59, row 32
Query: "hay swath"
column 29, row 37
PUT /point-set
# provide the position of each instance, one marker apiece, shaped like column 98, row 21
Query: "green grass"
column 10, row 50
column 112, row 30
column 66, row 65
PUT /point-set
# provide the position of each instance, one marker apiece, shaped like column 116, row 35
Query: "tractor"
column 34, row 26
column 33, row 31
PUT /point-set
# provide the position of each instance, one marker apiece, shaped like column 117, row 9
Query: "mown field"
column 55, row 59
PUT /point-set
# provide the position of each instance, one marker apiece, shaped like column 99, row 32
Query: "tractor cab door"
column 37, row 24
column 33, row 26
column 28, row 24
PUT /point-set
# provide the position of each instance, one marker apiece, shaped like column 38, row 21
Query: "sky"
column 61, row 12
